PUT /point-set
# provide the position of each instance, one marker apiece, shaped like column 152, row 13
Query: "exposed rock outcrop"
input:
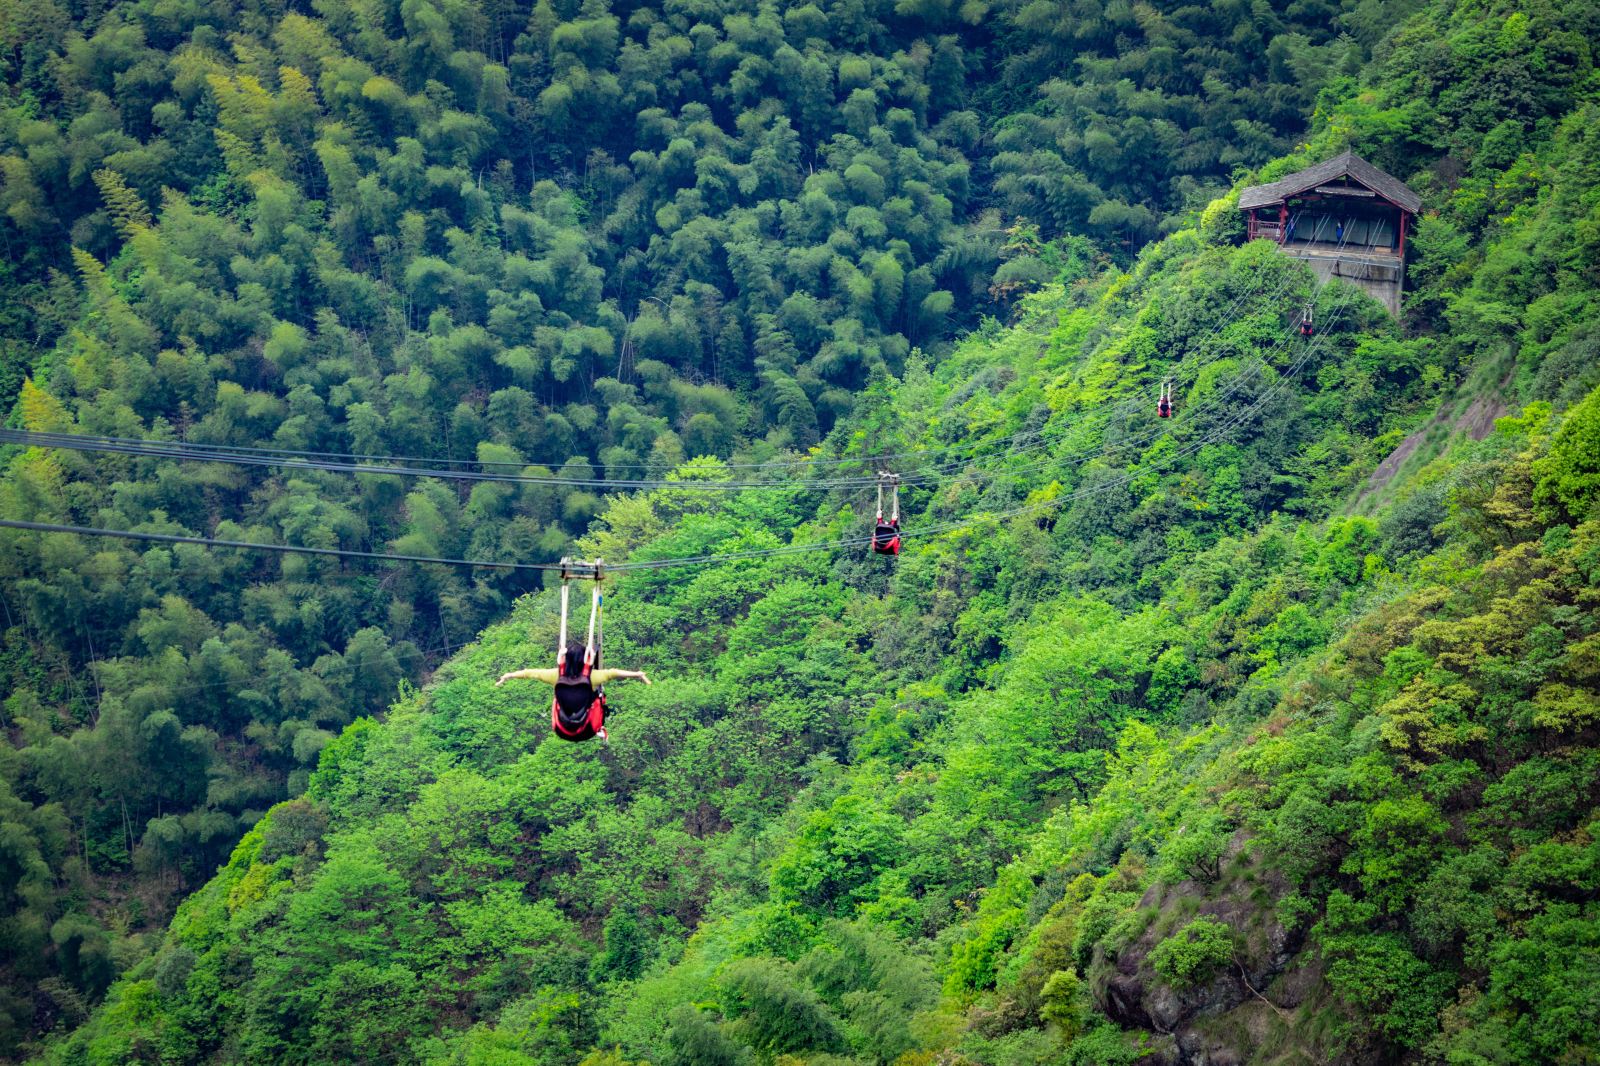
column 1251, row 1008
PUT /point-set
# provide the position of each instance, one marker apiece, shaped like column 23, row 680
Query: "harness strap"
column 561, row 643
column 893, row 481
column 590, row 648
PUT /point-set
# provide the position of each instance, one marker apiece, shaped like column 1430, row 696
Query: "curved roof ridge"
column 1346, row 163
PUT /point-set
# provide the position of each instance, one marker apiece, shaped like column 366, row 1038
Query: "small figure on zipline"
column 1307, row 326
column 886, row 534
column 1164, row 401
column 578, row 711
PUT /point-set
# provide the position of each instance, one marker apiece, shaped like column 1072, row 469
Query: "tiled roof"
column 1347, row 163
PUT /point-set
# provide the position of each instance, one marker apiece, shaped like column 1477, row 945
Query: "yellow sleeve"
column 600, row 677
column 549, row 676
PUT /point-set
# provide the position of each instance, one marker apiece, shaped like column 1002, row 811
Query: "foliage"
column 1194, row 954
column 1199, row 665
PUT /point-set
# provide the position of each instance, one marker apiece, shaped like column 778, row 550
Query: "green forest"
column 1267, row 733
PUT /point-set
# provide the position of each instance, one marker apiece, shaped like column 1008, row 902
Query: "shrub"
column 1194, row 953
column 1062, row 1003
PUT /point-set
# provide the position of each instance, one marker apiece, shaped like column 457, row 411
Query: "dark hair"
column 572, row 661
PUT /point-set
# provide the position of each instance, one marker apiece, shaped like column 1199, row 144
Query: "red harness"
column 886, row 538
column 587, row 722
column 886, row 535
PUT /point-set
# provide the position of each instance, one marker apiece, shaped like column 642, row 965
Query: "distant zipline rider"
column 578, row 710
column 1164, row 401
column 886, row 533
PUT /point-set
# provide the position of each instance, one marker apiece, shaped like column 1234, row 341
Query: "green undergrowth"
column 1173, row 747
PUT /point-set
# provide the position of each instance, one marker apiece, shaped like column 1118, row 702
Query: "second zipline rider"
column 578, row 710
column 886, row 533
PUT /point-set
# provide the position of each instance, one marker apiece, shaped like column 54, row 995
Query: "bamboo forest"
column 800, row 532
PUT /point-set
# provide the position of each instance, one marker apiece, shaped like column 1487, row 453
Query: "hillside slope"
column 1170, row 759
column 570, row 241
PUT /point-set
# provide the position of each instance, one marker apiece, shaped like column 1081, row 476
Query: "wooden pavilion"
column 1344, row 217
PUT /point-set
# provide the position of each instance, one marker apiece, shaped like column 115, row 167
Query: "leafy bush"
column 1196, row 851
column 1569, row 477
column 1062, row 1003
column 1195, row 953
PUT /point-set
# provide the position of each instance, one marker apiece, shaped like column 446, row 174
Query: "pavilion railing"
column 1261, row 229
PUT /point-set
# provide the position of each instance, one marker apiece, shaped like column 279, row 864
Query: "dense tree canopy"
column 560, row 239
column 1203, row 720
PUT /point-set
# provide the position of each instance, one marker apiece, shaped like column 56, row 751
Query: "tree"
column 775, row 1013
column 1194, row 954
column 695, row 1039
column 1569, row 476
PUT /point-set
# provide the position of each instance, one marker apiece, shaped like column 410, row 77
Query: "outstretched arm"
column 601, row 677
column 547, row 676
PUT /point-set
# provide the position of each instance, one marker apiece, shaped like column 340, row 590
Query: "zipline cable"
column 651, row 564
column 165, row 450
column 657, row 564
column 336, row 462
column 1215, row 435
column 291, row 549
column 866, row 539
column 186, row 451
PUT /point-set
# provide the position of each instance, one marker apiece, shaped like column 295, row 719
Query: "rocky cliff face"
column 1264, row 1003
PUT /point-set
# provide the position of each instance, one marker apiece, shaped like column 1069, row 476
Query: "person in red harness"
column 578, row 709
column 1164, row 403
column 886, row 533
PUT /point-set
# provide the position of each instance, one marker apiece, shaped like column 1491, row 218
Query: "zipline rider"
column 578, row 711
